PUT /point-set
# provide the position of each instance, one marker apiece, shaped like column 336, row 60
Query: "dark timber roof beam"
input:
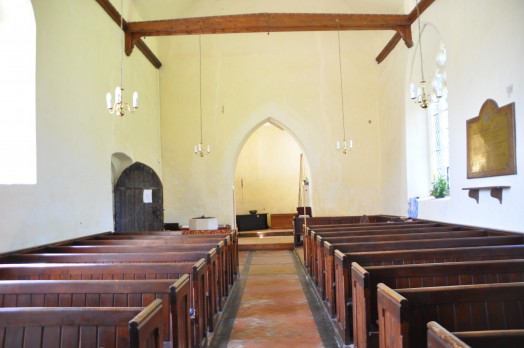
column 267, row 22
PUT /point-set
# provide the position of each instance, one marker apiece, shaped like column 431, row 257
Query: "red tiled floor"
column 274, row 311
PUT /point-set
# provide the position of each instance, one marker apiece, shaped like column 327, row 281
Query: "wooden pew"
column 404, row 313
column 216, row 261
column 132, row 271
column 325, row 270
column 368, row 230
column 365, row 281
column 215, row 272
column 105, row 293
column 298, row 222
column 439, row 337
column 82, row 327
column 169, row 257
column 227, row 254
column 356, row 228
column 343, row 301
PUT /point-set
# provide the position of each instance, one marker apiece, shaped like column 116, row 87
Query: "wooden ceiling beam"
column 412, row 17
column 116, row 17
column 268, row 22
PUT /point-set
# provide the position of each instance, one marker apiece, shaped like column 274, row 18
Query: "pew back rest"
column 96, row 271
column 430, row 243
column 432, row 255
column 125, row 248
column 106, row 257
column 404, row 313
column 82, row 327
column 87, row 293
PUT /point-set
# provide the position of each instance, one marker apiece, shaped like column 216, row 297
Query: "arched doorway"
column 139, row 200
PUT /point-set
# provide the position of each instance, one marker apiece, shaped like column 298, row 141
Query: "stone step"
column 265, row 233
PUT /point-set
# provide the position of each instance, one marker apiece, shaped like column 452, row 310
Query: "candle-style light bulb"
column 135, row 100
column 118, row 95
column 108, row 100
column 412, row 93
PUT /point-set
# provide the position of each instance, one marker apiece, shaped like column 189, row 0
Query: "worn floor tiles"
column 274, row 306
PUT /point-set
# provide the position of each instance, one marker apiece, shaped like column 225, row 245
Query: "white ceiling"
column 171, row 9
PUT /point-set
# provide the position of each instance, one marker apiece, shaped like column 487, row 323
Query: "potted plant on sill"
column 439, row 188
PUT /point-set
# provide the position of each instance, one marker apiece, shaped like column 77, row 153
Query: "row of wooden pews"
column 373, row 278
column 300, row 220
column 178, row 283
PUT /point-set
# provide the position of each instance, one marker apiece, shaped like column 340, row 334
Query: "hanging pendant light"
column 200, row 149
column 120, row 107
column 420, row 94
column 346, row 145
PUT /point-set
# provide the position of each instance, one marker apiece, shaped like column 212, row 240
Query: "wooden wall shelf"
column 495, row 192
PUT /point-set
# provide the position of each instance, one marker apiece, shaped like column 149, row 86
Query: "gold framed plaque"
column 491, row 141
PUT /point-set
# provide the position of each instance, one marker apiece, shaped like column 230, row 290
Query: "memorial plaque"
column 491, row 141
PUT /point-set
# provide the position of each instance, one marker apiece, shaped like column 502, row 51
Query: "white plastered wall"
column 290, row 77
column 484, row 51
column 77, row 62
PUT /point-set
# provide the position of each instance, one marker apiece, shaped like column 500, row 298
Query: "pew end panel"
column 392, row 314
column 214, row 304
column 344, row 316
column 146, row 328
column 361, row 297
column 180, row 301
column 199, row 302
column 329, row 284
column 320, row 271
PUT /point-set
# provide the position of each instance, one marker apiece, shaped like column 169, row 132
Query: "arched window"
column 17, row 93
column 438, row 122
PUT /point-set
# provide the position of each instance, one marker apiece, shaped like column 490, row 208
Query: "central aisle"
column 273, row 306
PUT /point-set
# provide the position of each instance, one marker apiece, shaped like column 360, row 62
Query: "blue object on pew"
column 413, row 207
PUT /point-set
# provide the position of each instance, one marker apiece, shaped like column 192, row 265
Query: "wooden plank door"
column 139, row 200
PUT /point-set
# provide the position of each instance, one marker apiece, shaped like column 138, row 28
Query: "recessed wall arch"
column 269, row 165
column 275, row 122
column 119, row 162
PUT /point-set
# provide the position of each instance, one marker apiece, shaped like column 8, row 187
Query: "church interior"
column 252, row 110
